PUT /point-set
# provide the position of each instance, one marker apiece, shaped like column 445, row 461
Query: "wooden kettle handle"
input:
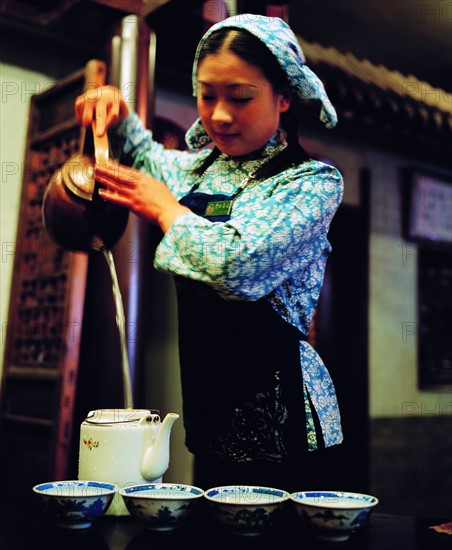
column 101, row 146
column 95, row 76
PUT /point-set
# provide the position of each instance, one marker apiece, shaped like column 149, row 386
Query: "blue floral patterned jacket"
column 274, row 245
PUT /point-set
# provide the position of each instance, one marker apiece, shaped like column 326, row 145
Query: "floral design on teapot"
column 90, row 443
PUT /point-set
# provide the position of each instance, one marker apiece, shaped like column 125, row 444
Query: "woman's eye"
column 207, row 97
column 241, row 99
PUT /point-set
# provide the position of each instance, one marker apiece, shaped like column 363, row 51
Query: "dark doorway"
column 342, row 336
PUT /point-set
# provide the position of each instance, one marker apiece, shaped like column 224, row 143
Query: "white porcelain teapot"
column 124, row 447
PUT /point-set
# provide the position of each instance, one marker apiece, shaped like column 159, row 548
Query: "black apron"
column 240, row 368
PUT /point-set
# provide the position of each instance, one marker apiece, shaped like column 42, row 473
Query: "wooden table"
column 34, row 530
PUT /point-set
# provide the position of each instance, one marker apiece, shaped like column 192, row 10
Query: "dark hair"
column 253, row 51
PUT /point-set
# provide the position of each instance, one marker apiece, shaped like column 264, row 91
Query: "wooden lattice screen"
column 47, row 298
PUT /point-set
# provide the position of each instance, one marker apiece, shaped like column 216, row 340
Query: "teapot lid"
column 116, row 416
column 78, row 175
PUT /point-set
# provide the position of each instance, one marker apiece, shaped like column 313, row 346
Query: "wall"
column 393, row 277
column 163, row 389
column 411, row 429
column 411, row 445
column 393, row 313
column 17, row 87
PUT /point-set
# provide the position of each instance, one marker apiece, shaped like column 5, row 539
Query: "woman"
column 245, row 235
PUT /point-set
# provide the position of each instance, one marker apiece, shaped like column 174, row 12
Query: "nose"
column 221, row 113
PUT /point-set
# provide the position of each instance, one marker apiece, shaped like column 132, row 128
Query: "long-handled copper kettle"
column 74, row 214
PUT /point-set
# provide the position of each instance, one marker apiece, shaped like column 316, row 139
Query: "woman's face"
column 236, row 103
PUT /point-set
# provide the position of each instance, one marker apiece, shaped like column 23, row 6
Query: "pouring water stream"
column 121, row 324
column 101, row 151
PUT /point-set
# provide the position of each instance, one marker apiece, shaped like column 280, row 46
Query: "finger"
column 78, row 107
column 87, row 114
column 124, row 176
column 104, row 178
column 83, row 111
column 114, row 197
column 112, row 114
column 111, row 179
column 109, row 170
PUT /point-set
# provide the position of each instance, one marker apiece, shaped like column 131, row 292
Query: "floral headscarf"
column 276, row 34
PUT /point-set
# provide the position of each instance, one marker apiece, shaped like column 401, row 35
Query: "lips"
column 225, row 137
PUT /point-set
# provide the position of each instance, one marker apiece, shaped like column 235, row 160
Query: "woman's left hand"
column 142, row 194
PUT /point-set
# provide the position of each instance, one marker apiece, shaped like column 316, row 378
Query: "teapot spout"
column 155, row 455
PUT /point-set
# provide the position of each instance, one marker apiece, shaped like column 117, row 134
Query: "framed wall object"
column 427, row 223
column 427, row 203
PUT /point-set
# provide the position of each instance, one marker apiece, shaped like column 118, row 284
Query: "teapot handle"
column 94, row 145
column 101, row 146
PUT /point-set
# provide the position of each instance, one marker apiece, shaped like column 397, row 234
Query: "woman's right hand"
column 104, row 104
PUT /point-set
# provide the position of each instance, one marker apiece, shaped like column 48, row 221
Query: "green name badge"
column 218, row 208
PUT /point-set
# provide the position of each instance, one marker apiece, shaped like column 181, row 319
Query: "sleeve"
column 272, row 234
column 133, row 145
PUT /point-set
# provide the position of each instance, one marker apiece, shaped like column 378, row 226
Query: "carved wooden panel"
column 47, row 298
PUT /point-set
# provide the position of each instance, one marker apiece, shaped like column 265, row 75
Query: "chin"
column 232, row 151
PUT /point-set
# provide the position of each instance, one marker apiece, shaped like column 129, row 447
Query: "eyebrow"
column 230, row 86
